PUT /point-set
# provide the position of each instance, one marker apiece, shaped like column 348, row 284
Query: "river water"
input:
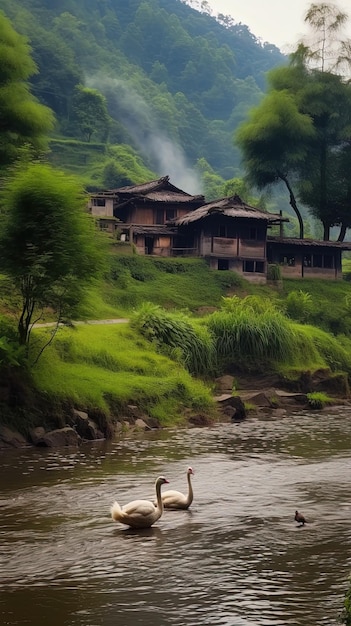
column 236, row 557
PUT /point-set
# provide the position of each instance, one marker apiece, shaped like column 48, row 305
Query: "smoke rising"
column 164, row 155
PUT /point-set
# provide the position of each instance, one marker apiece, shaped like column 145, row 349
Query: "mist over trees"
column 196, row 76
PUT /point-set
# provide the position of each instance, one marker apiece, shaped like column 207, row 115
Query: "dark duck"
column 300, row 519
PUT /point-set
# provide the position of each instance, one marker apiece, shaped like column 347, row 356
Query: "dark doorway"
column 149, row 245
column 223, row 264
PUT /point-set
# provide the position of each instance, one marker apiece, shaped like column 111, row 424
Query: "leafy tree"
column 300, row 133
column 23, row 119
column 241, row 188
column 274, row 142
column 90, row 112
column 324, row 48
column 48, row 244
column 114, row 176
column 213, row 184
column 58, row 73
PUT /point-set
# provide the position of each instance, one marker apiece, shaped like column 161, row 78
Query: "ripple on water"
column 235, row 558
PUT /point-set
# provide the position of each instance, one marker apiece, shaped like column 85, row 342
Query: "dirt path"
column 118, row 320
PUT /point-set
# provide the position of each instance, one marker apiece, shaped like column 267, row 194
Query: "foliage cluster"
column 247, row 335
column 180, row 75
column 318, row 400
column 184, row 284
column 47, row 242
column 299, row 133
column 109, row 367
column 325, row 304
column 191, row 345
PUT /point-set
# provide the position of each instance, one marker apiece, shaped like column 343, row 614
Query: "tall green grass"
column 249, row 340
column 108, row 367
column 322, row 303
column 175, row 334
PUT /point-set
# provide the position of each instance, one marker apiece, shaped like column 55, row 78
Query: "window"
column 159, row 216
column 249, row 266
column 170, row 214
column 99, row 202
column 253, row 233
column 317, row 260
column 287, row 259
column 223, row 264
column 253, row 266
column 328, row 261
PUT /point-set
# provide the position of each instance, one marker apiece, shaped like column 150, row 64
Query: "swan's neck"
column 158, row 497
column 190, row 491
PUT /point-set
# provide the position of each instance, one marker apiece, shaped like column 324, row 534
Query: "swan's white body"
column 140, row 513
column 177, row 500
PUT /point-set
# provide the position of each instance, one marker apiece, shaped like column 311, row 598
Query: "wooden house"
column 231, row 234
column 141, row 213
column 306, row 258
column 161, row 219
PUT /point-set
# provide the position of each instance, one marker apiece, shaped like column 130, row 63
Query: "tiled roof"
column 343, row 245
column 230, row 207
column 157, row 190
column 156, row 229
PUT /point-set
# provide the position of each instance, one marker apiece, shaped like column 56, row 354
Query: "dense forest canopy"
column 177, row 82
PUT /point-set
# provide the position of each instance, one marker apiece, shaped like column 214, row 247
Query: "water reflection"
column 235, row 558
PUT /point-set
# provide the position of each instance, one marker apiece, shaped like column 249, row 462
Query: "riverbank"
column 257, row 396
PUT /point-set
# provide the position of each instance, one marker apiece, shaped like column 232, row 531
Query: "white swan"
column 177, row 500
column 140, row 513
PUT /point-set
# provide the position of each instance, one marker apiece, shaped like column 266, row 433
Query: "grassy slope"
column 108, row 367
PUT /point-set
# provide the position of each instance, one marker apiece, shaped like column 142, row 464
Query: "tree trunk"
column 326, row 231
column 293, row 204
column 342, row 233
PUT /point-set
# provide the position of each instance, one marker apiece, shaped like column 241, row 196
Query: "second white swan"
column 175, row 499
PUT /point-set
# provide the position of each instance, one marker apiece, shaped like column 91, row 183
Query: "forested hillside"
column 176, row 82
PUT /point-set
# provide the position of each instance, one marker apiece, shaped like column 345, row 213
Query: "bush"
column 250, row 339
column 274, row 272
column 299, row 305
column 178, row 338
column 318, row 400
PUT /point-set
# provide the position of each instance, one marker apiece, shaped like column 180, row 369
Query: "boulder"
column 61, row 437
column 36, row 435
column 139, row 423
column 225, row 383
column 232, row 406
column 86, row 427
column 12, row 438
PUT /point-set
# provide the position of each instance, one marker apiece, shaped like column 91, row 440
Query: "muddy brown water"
column 235, row 558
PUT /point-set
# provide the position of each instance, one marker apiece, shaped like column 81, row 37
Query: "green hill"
column 177, row 82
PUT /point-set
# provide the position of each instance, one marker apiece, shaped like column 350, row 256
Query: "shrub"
column 176, row 336
column 318, row 399
column 248, row 338
column 274, row 272
column 299, row 305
